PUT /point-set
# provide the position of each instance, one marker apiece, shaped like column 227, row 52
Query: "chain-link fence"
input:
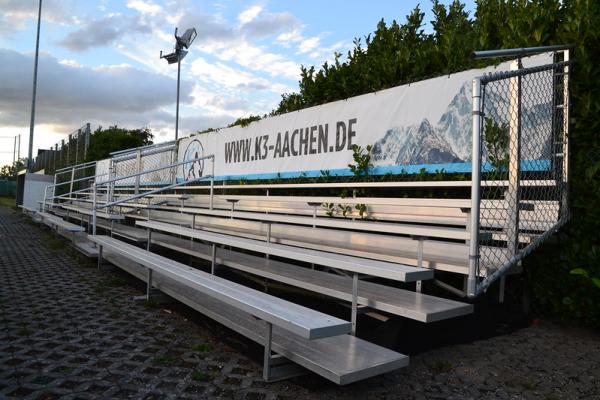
column 67, row 152
column 132, row 161
column 523, row 143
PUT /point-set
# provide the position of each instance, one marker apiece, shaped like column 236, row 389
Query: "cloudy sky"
column 99, row 60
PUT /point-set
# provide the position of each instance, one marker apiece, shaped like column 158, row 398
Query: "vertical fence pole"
column 475, row 189
column 138, row 168
column 513, row 195
column 72, row 179
column 514, row 168
column 86, row 141
column 94, row 193
column 212, row 182
column 44, row 201
column 565, row 170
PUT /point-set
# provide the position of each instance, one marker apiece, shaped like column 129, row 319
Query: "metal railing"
column 111, row 202
column 131, row 161
column 520, row 133
column 72, row 150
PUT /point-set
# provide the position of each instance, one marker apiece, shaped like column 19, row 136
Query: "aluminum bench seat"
column 88, row 211
column 125, row 231
column 58, row 222
column 342, row 359
column 368, row 226
column 405, row 303
column 352, row 264
column 28, row 209
column 305, row 322
column 439, row 255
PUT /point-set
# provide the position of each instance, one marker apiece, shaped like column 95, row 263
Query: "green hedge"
column 399, row 53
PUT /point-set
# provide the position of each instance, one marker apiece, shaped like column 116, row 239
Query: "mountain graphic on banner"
column 450, row 140
column 413, row 145
column 447, row 142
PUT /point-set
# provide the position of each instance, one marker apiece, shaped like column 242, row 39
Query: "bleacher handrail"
column 75, row 167
column 334, row 185
column 109, row 203
column 520, row 52
column 135, row 149
column 148, row 171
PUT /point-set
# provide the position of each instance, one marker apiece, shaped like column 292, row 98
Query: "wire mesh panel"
column 523, row 143
column 68, row 152
column 148, row 158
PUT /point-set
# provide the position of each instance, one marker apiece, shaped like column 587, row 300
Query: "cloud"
column 15, row 13
column 230, row 78
column 291, row 36
column 255, row 58
column 103, row 32
column 249, row 14
column 145, row 7
column 71, row 95
column 268, row 24
column 309, row 44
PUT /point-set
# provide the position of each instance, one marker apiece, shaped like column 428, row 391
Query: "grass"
column 7, row 201
column 440, row 366
column 200, row 376
column 105, row 283
column 165, row 361
column 151, row 304
column 24, row 332
column 528, row 383
column 202, row 347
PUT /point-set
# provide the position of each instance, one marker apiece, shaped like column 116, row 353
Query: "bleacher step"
column 341, row 359
column 406, row 303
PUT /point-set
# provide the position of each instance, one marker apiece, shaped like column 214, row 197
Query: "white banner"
column 424, row 125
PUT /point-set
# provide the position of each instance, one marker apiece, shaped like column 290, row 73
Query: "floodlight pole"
column 35, row 68
column 177, row 109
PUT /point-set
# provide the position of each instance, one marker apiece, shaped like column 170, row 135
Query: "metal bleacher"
column 385, row 259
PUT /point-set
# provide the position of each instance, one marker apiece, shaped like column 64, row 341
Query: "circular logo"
column 193, row 168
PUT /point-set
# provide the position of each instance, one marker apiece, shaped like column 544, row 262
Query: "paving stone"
column 72, row 332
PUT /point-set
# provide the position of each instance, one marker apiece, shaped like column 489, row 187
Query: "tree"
column 105, row 141
column 9, row 171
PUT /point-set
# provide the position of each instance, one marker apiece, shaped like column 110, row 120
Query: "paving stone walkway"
column 70, row 331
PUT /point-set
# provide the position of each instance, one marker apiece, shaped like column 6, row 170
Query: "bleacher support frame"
column 513, row 207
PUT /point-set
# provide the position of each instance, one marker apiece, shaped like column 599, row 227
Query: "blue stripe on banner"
column 526, row 166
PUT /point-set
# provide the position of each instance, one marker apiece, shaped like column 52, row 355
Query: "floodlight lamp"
column 171, row 58
column 187, row 38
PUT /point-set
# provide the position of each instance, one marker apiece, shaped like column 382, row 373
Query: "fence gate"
column 523, row 139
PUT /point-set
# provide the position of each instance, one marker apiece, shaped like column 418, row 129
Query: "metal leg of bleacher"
column 213, row 260
column 149, row 284
column 99, row 256
column 354, row 302
column 420, row 239
column 501, row 289
column 275, row 366
column 268, row 237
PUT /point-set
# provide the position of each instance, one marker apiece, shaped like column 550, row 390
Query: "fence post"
column 212, row 182
column 565, row 138
column 514, row 167
column 475, row 189
column 72, row 179
column 94, row 193
column 77, row 146
column 138, row 163
column 86, row 143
